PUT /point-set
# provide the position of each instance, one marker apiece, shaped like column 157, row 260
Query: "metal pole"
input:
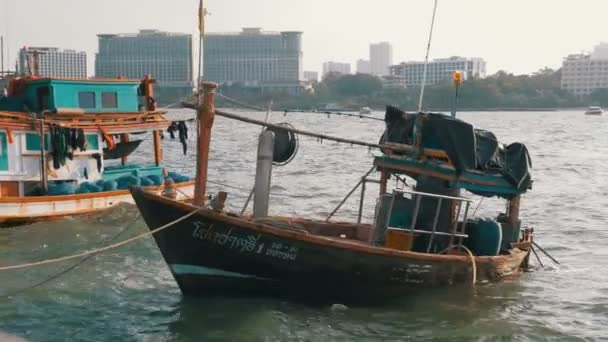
column 263, row 174
column 349, row 194
column 43, row 174
column 435, row 221
column 361, row 201
column 455, row 102
column 1, row 55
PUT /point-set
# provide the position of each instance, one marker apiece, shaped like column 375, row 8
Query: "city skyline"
column 469, row 28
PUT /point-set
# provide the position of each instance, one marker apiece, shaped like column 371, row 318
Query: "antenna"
column 1, row 56
column 426, row 59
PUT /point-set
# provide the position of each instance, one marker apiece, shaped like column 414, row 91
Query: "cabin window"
column 109, row 100
column 92, row 142
column 86, row 99
column 32, row 142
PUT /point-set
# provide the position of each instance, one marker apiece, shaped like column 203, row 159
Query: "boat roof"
column 82, row 80
column 453, row 150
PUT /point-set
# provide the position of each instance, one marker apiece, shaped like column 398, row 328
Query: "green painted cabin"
column 90, row 96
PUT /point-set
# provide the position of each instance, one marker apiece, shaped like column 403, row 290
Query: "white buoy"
column 263, row 174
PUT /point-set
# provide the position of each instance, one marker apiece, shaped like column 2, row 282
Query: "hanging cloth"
column 172, row 129
column 183, row 135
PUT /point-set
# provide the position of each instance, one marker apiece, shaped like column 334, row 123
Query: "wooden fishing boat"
column 421, row 237
column 82, row 166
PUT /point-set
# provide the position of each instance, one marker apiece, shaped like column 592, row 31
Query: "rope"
column 473, row 264
column 360, row 116
column 101, row 249
column 68, row 269
column 478, row 205
column 471, row 257
column 285, row 111
column 426, row 59
column 240, row 104
column 321, row 137
column 545, row 252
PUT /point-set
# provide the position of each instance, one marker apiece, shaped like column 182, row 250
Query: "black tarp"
column 467, row 148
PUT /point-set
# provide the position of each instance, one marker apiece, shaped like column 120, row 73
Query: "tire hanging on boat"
column 286, row 145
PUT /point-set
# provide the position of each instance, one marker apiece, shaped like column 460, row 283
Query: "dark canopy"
column 467, row 148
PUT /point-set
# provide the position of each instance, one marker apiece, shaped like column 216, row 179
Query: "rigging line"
column 426, row 59
column 361, row 181
column 239, row 103
column 360, row 116
column 244, row 189
column 389, row 146
column 101, row 249
column 69, row 268
column 260, row 109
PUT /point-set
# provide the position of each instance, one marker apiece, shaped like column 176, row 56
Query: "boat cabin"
column 447, row 156
column 75, row 96
column 84, row 123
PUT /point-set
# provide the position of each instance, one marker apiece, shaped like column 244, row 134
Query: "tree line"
column 500, row 91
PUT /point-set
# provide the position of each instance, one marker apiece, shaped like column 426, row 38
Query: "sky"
column 519, row 36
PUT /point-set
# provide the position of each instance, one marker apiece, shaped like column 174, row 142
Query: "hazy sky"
column 519, row 36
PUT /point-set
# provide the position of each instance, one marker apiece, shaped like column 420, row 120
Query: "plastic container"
column 399, row 239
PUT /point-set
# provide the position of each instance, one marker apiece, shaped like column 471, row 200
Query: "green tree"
column 600, row 97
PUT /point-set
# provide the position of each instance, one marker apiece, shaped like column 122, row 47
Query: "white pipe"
column 263, row 174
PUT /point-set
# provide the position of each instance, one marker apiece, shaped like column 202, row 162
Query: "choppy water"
column 129, row 294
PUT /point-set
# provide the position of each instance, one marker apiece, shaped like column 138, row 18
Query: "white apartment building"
column 337, row 67
column 54, row 62
column 311, row 76
column 380, row 58
column 439, row 70
column 583, row 73
column 364, row 66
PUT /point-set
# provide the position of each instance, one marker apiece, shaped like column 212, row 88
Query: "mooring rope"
column 101, row 249
column 473, row 264
column 69, row 268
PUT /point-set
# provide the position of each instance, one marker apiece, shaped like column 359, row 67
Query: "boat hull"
column 24, row 210
column 215, row 253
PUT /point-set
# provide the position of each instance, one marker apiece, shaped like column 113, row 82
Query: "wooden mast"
column 205, row 116
column 151, row 106
column 513, row 210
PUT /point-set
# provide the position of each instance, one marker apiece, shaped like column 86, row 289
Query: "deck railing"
column 457, row 233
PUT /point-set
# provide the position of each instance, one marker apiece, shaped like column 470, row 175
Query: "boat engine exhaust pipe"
column 263, row 174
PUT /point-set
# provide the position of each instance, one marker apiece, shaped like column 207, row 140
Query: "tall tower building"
column 381, row 58
column 167, row 57
column 271, row 61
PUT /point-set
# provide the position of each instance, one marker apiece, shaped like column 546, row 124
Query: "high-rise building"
column 439, row 70
column 364, row 66
column 380, row 58
column 336, row 67
column 53, row 62
column 583, row 73
column 166, row 57
column 271, row 61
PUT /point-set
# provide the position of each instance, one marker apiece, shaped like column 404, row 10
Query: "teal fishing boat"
column 65, row 144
